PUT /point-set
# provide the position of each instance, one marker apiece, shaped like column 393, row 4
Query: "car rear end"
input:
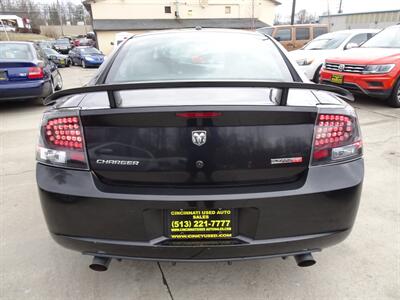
column 199, row 172
column 21, row 73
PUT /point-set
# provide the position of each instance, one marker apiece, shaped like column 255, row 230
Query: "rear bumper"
column 83, row 217
column 24, row 90
column 250, row 250
column 377, row 86
column 62, row 64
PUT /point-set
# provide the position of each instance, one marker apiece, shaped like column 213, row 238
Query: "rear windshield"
column 388, row 38
column 15, row 51
column 198, row 56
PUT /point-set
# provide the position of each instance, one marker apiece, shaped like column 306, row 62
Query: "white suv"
column 311, row 57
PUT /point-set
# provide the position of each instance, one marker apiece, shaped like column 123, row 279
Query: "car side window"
column 317, row 31
column 284, row 34
column 358, row 39
column 302, row 34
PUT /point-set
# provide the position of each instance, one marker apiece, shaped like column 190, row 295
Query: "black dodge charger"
column 199, row 145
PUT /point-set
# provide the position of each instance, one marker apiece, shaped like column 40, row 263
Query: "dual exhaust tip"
column 100, row 264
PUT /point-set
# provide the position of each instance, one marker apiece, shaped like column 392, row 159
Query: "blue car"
column 86, row 56
column 26, row 73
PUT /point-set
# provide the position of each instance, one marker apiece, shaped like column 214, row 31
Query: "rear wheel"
column 51, row 91
column 58, row 82
column 316, row 75
column 394, row 99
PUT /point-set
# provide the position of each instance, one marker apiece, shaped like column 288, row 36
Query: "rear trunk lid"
column 199, row 145
column 14, row 70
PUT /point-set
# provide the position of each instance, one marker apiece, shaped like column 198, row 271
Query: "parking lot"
column 364, row 266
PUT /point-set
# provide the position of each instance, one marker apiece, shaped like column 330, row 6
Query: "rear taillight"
column 336, row 138
column 61, row 141
column 35, row 73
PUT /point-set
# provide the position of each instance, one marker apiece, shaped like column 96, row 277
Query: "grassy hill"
column 22, row 36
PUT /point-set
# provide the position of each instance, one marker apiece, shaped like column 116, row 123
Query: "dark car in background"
column 62, row 46
column 199, row 145
column 26, row 73
column 86, row 56
column 61, row 60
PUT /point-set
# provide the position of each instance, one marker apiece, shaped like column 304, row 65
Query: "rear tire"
column 51, row 91
column 52, row 87
column 316, row 75
column 394, row 99
column 59, row 84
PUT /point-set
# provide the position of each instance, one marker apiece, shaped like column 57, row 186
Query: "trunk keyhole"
column 199, row 164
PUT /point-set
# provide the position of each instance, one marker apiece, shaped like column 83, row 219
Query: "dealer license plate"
column 3, row 76
column 336, row 78
column 200, row 224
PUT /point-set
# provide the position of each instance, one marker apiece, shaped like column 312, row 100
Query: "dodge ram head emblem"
column 199, row 137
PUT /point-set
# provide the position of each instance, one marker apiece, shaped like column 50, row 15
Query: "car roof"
column 202, row 30
column 358, row 30
column 348, row 31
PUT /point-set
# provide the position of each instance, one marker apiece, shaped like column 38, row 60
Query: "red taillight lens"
column 64, row 132
column 35, row 73
column 336, row 137
column 62, row 142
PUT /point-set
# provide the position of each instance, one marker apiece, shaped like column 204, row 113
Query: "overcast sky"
column 348, row 6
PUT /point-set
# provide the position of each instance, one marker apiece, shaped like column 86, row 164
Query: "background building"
column 136, row 16
column 379, row 19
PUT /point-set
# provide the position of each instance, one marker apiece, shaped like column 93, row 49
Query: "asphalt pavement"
column 32, row 266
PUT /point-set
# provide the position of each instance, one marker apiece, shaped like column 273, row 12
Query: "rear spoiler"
column 112, row 88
